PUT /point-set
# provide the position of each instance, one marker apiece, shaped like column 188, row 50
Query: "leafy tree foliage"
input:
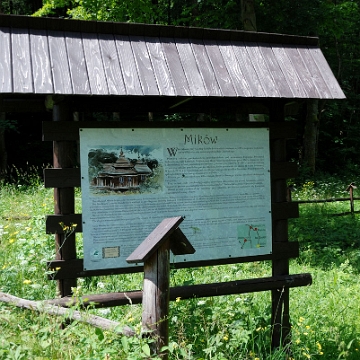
column 19, row 7
column 337, row 23
column 201, row 13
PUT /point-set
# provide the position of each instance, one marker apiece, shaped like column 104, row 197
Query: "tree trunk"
column 311, row 134
column 195, row 14
column 248, row 20
column 248, row 16
column 155, row 4
column 36, row 5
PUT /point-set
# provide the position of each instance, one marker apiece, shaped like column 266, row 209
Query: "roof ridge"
column 151, row 30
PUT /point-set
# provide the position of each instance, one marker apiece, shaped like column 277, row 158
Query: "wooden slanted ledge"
column 179, row 244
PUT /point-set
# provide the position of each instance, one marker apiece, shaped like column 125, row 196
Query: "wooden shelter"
column 73, row 66
column 168, row 67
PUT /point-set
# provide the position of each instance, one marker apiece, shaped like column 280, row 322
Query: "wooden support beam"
column 280, row 318
column 22, row 105
column 64, row 198
column 62, row 178
column 284, row 170
column 72, row 221
column 284, row 210
column 277, row 283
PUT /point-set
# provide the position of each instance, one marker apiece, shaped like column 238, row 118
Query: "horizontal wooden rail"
column 61, row 130
column 53, row 223
column 62, row 178
column 283, row 170
column 22, row 105
column 284, row 210
column 323, row 200
column 192, row 291
column 69, row 269
column 346, row 213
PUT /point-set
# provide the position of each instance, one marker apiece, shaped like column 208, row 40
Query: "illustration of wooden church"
column 122, row 175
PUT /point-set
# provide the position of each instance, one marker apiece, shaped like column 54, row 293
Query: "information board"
column 218, row 179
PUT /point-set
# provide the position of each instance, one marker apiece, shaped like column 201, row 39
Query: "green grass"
column 325, row 316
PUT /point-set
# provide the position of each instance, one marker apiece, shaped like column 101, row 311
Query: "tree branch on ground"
column 69, row 314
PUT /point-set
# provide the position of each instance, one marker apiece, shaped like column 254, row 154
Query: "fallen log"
column 69, row 314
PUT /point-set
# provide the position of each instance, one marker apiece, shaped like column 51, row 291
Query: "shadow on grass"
column 327, row 241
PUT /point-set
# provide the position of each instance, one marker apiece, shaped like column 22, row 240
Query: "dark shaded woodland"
column 328, row 138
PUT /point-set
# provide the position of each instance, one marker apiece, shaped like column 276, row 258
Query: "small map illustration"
column 251, row 236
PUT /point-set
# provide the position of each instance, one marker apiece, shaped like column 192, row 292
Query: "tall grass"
column 325, row 316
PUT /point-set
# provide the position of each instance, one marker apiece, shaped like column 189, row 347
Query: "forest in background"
column 324, row 316
column 328, row 130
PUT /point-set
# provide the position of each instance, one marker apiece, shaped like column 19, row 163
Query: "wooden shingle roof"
column 55, row 56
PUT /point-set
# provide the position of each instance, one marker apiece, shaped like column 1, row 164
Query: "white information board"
column 133, row 178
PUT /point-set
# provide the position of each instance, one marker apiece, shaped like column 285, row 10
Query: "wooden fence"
column 351, row 199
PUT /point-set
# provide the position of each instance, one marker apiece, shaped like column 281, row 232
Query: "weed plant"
column 324, row 316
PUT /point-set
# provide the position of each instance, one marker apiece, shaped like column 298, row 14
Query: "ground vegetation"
column 324, row 316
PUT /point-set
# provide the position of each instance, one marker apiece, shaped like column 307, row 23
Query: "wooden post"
column 350, row 189
column 64, row 199
column 156, row 298
column 279, row 297
column 3, row 153
column 154, row 252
